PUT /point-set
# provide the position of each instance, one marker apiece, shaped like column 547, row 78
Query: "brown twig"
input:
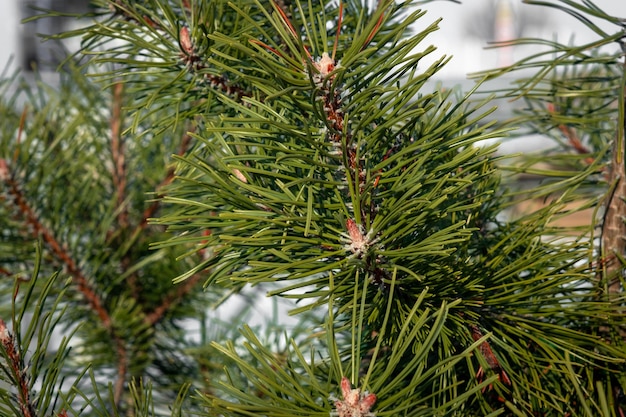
column 19, row 371
column 122, row 369
column 62, row 255
column 150, row 211
column 613, row 226
column 38, row 229
column 171, row 299
column 572, row 137
column 118, row 169
column 576, row 144
column 117, row 152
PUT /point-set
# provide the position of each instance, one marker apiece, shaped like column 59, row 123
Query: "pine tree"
column 201, row 152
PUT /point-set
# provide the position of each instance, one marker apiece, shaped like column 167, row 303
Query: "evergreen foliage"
column 198, row 152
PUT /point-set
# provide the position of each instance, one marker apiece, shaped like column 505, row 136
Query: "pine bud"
column 240, row 176
column 5, row 337
column 4, row 170
column 325, row 65
column 185, row 40
column 354, row 404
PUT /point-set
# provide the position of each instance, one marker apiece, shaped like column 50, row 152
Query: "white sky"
column 469, row 54
column 452, row 38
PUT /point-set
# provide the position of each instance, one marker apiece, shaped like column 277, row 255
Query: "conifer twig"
column 614, row 225
column 572, row 137
column 15, row 362
column 188, row 54
column 193, row 62
column 169, row 176
column 78, row 278
column 38, row 229
column 171, row 299
column 117, row 152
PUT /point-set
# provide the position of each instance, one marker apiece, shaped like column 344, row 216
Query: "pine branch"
column 117, row 151
column 614, row 223
column 119, row 8
column 194, row 63
column 570, row 134
column 172, row 299
column 151, row 210
column 32, row 355
column 56, row 247
column 193, row 60
column 38, row 229
column 348, row 183
column 19, row 371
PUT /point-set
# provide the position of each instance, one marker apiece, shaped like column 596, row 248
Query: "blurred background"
column 464, row 32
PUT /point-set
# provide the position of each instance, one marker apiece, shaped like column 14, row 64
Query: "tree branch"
column 169, row 176
column 18, row 370
column 572, row 137
column 188, row 55
column 117, row 152
column 29, row 216
column 172, row 299
column 78, row 278
column 614, row 225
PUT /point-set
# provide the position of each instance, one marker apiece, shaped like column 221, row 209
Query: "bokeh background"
column 466, row 29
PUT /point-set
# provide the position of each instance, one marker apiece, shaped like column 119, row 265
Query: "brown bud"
column 185, row 40
column 240, row 176
column 4, row 170
column 5, row 337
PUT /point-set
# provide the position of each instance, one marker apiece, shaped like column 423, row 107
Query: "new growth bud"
column 354, row 404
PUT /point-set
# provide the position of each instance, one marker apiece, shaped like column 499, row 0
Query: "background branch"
column 79, row 279
column 18, row 371
column 172, row 299
column 117, row 152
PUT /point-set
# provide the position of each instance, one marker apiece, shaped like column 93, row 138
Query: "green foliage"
column 72, row 180
column 304, row 385
column 314, row 162
column 26, row 362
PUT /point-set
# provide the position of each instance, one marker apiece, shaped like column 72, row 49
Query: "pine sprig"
column 71, row 178
column 33, row 377
column 296, row 383
column 316, row 162
column 358, row 184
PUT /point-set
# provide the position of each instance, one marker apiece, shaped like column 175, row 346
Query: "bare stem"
column 172, row 299
column 117, row 152
column 614, row 227
column 169, row 176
